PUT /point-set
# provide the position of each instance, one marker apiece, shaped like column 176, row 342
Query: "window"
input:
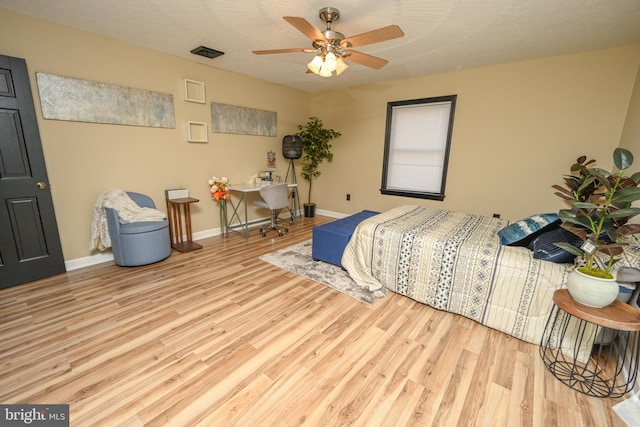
column 416, row 147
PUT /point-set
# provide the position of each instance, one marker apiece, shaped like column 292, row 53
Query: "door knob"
column 41, row 185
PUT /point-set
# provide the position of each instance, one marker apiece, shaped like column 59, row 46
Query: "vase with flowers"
column 220, row 193
column 600, row 209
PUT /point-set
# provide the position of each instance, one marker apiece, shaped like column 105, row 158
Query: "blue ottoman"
column 330, row 240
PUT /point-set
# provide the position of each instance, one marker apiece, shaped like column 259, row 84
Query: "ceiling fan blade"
column 374, row 36
column 304, row 27
column 268, row 52
column 366, row 60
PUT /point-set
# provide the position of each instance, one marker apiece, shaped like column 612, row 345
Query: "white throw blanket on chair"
column 128, row 211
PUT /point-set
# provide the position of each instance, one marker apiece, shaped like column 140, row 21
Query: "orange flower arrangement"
column 219, row 188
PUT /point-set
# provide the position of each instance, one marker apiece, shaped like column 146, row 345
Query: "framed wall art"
column 194, row 91
column 197, row 132
column 242, row 120
column 66, row 98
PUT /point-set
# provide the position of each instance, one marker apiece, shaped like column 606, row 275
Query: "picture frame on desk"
column 176, row 193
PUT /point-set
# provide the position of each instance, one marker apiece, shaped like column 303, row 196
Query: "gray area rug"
column 297, row 259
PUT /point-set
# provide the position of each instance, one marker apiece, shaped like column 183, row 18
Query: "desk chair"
column 274, row 197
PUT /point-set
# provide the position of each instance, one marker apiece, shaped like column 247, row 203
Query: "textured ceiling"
column 440, row 35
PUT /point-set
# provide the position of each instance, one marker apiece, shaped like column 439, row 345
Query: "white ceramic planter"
column 592, row 291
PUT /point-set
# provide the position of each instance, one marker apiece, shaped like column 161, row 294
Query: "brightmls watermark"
column 34, row 415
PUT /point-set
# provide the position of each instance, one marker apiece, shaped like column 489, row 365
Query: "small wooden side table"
column 174, row 208
column 573, row 330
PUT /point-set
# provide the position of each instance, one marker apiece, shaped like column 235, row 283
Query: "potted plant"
column 316, row 148
column 600, row 212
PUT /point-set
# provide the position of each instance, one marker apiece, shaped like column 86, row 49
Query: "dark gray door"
column 29, row 242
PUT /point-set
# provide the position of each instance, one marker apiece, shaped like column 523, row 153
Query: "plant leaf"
column 611, row 249
column 567, row 215
column 589, row 181
column 622, row 158
column 570, row 248
column 562, row 190
column 563, row 196
column 585, row 205
column 628, row 229
column 626, row 182
column 623, row 213
column 602, row 176
column 625, row 195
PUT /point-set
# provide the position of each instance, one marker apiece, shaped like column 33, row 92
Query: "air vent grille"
column 207, row 52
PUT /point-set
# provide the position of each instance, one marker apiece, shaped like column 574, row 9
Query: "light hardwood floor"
column 217, row 337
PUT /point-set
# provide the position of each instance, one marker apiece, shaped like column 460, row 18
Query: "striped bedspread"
column 454, row 262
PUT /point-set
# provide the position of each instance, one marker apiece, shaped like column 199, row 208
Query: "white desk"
column 242, row 191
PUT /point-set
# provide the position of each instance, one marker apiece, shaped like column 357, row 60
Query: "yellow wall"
column 631, row 132
column 517, row 128
column 84, row 159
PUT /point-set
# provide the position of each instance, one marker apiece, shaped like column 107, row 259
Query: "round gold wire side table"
column 592, row 350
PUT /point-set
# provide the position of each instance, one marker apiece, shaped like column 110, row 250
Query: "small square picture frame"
column 194, row 91
column 197, row 132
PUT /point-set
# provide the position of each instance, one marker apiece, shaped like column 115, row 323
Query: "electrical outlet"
column 348, row 197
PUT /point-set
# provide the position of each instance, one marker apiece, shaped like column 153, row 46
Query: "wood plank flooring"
column 217, row 337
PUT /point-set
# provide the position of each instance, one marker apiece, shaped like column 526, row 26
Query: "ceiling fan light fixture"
column 331, row 47
column 340, row 65
column 330, row 61
column 324, row 72
column 315, row 64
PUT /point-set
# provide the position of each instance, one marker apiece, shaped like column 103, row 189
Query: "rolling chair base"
column 263, row 231
column 273, row 226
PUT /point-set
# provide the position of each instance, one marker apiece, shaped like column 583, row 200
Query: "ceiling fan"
column 332, row 48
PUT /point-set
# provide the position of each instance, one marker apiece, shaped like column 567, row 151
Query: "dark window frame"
column 388, row 147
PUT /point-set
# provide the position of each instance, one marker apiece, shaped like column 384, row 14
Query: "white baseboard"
column 107, row 256
column 88, row 261
column 629, row 410
column 331, row 214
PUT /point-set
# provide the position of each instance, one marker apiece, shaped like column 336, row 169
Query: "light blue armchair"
column 138, row 243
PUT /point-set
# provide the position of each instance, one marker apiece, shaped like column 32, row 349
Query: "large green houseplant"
column 601, row 207
column 316, row 148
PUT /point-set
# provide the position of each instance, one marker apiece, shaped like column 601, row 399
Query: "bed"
column 455, row 262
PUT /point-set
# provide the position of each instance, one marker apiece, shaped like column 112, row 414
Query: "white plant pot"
column 592, row 291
